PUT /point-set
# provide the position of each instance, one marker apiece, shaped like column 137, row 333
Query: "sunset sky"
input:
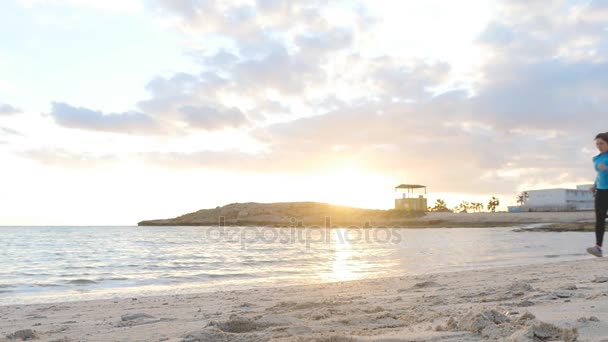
column 116, row 111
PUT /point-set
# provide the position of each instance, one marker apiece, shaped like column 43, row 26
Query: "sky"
column 117, row 111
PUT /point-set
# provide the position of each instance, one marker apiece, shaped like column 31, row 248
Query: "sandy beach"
column 564, row 301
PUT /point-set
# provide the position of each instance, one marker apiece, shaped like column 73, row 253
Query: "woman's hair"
column 603, row 136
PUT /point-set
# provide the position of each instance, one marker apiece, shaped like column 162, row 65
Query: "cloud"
column 214, row 118
column 274, row 52
column 546, row 71
column 6, row 109
column 452, row 155
column 528, row 119
column 275, row 56
column 244, row 20
column 83, row 118
column 6, row 134
column 553, row 94
column 543, row 30
column 338, row 38
column 8, row 131
column 527, row 115
column 279, row 71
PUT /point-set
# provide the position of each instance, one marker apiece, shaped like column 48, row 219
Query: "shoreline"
column 470, row 305
column 539, row 226
column 272, row 286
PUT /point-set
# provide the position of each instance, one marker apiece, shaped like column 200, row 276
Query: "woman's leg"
column 601, row 207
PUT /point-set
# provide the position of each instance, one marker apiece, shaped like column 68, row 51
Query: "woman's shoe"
column 595, row 250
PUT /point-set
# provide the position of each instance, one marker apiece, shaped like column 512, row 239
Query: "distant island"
column 315, row 214
column 288, row 214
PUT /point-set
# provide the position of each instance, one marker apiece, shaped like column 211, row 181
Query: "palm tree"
column 474, row 206
column 493, row 203
column 522, row 197
column 463, row 207
column 440, row 205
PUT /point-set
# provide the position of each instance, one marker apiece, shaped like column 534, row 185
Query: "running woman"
column 600, row 188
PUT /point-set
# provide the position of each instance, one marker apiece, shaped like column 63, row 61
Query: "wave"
column 82, row 282
column 47, row 285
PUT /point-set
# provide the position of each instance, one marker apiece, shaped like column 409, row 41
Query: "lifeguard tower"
column 411, row 197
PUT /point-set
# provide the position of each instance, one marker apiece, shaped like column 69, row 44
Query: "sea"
column 56, row 264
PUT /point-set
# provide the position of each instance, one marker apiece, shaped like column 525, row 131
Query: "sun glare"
column 351, row 184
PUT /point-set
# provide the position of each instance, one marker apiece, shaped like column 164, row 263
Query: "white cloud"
column 83, row 118
column 8, row 131
column 6, row 109
column 214, row 118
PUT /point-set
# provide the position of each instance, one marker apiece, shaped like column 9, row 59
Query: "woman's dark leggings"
column 601, row 207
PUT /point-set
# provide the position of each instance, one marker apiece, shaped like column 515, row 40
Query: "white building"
column 558, row 199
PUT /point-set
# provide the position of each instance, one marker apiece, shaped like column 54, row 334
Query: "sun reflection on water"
column 344, row 266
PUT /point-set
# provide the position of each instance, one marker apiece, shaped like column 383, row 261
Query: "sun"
column 349, row 183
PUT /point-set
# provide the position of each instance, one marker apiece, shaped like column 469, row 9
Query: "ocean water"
column 53, row 264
